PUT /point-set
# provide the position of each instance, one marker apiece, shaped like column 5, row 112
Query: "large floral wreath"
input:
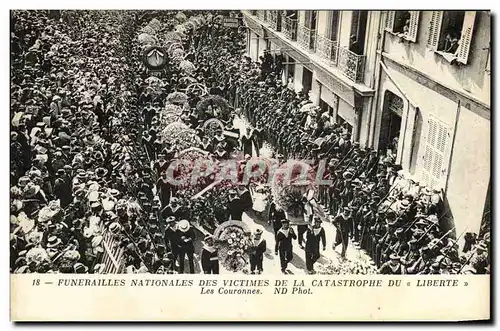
column 233, row 239
column 288, row 187
column 208, row 207
column 215, row 101
column 180, row 136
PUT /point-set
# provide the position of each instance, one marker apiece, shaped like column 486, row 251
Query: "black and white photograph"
column 250, row 142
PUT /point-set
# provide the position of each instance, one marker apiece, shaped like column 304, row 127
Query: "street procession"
column 193, row 141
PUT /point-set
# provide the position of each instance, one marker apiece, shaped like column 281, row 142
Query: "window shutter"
column 466, row 37
column 414, row 19
column 435, row 29
column 434, row 165
column 389, row 19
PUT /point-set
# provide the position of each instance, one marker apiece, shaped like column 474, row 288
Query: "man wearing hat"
column 186, row 245
column 257, row 251
column 209, row 257
column 284, row 245
column 276, row 214
column 343, row 225
column 314, row 236
column 392, row 267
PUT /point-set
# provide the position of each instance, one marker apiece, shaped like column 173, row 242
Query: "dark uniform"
column 209, row 260
column 257, row 255
column 313, row 238
column 343, row 224
column 284, row 246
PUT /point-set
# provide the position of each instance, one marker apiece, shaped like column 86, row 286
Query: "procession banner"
column 149, row 297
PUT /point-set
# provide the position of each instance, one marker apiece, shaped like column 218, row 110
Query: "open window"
column 403, row 23
column 333, row 29
column 310, row 19
column 450, row 34
column 358, row 31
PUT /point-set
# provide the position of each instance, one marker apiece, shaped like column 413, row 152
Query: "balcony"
column 327, row 49
column 274, row 17
column 306, row 38
column 351, row 64
column 290, row 28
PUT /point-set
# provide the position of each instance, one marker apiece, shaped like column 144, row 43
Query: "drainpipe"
column 377, row 74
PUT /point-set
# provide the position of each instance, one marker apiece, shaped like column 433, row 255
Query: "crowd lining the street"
column 87, row 159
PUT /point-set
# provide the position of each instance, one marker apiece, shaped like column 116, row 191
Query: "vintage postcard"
column 254, row 165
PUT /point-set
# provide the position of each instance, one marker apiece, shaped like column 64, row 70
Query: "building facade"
column 415, row 84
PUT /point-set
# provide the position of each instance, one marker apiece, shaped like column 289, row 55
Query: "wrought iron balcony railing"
column 274, row 17
column 351, row 64
column 290, row 28
column 306, row 37
column 327, row 49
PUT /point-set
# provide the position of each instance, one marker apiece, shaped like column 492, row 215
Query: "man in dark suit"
column 257, row 253
column 284, row 245
column 343, row 224
column 172, row 239
column 315, row 234
column 246, row 198
column 276, row 214
column 209, row 257
column 186, row 245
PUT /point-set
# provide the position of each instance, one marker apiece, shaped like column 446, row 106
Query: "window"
column 333, row 16
column 450, row 34
column 434, row 165
column 310, row 19
column 403, row 23
column 358, row 31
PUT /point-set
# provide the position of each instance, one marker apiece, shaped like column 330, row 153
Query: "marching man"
column 209, row 257
column 257, row 253
column 315, row 234
column 284, row 246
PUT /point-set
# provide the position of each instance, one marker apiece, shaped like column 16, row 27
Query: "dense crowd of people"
column 88, row 161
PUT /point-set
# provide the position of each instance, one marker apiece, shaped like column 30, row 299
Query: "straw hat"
column 183, row 225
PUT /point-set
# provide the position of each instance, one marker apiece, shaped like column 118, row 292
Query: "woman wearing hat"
column 209, row 256
column 186, row 245
column 314, row 236
column 257, row 251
